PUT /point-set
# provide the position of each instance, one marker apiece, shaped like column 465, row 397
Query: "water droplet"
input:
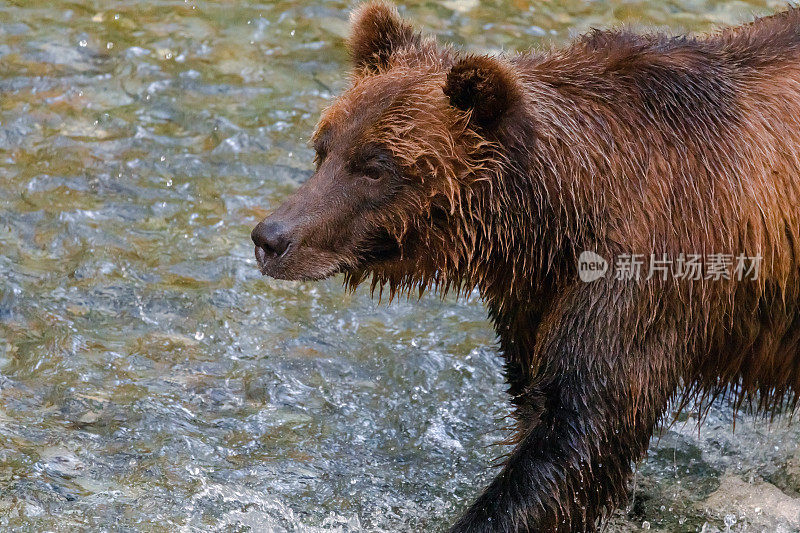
column 82, row 43
column 109, row 46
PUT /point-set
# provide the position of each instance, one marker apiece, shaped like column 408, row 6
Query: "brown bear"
column 444, row 171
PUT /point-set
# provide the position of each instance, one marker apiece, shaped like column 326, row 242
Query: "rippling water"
column 151, row 380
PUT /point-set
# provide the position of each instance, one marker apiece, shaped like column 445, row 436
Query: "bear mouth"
column 269, row 264
column 377, row 250
column 263, row 260
column 282, row 267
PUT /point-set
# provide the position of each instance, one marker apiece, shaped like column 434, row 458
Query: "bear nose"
column 272, row 237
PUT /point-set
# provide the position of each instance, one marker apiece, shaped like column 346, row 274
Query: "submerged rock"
column 756, row 506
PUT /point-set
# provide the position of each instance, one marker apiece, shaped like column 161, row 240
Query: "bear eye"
column 374, row 164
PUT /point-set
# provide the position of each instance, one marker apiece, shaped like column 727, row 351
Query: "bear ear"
column 376, row 32
column 487, row 86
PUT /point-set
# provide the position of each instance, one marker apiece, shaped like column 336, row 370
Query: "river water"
column 152, row 380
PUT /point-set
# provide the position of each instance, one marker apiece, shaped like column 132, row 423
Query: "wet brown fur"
column 500, row 171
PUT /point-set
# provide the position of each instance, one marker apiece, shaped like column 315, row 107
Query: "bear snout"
column 272, row 239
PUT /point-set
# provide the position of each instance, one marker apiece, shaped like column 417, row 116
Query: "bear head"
column 407, row 164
